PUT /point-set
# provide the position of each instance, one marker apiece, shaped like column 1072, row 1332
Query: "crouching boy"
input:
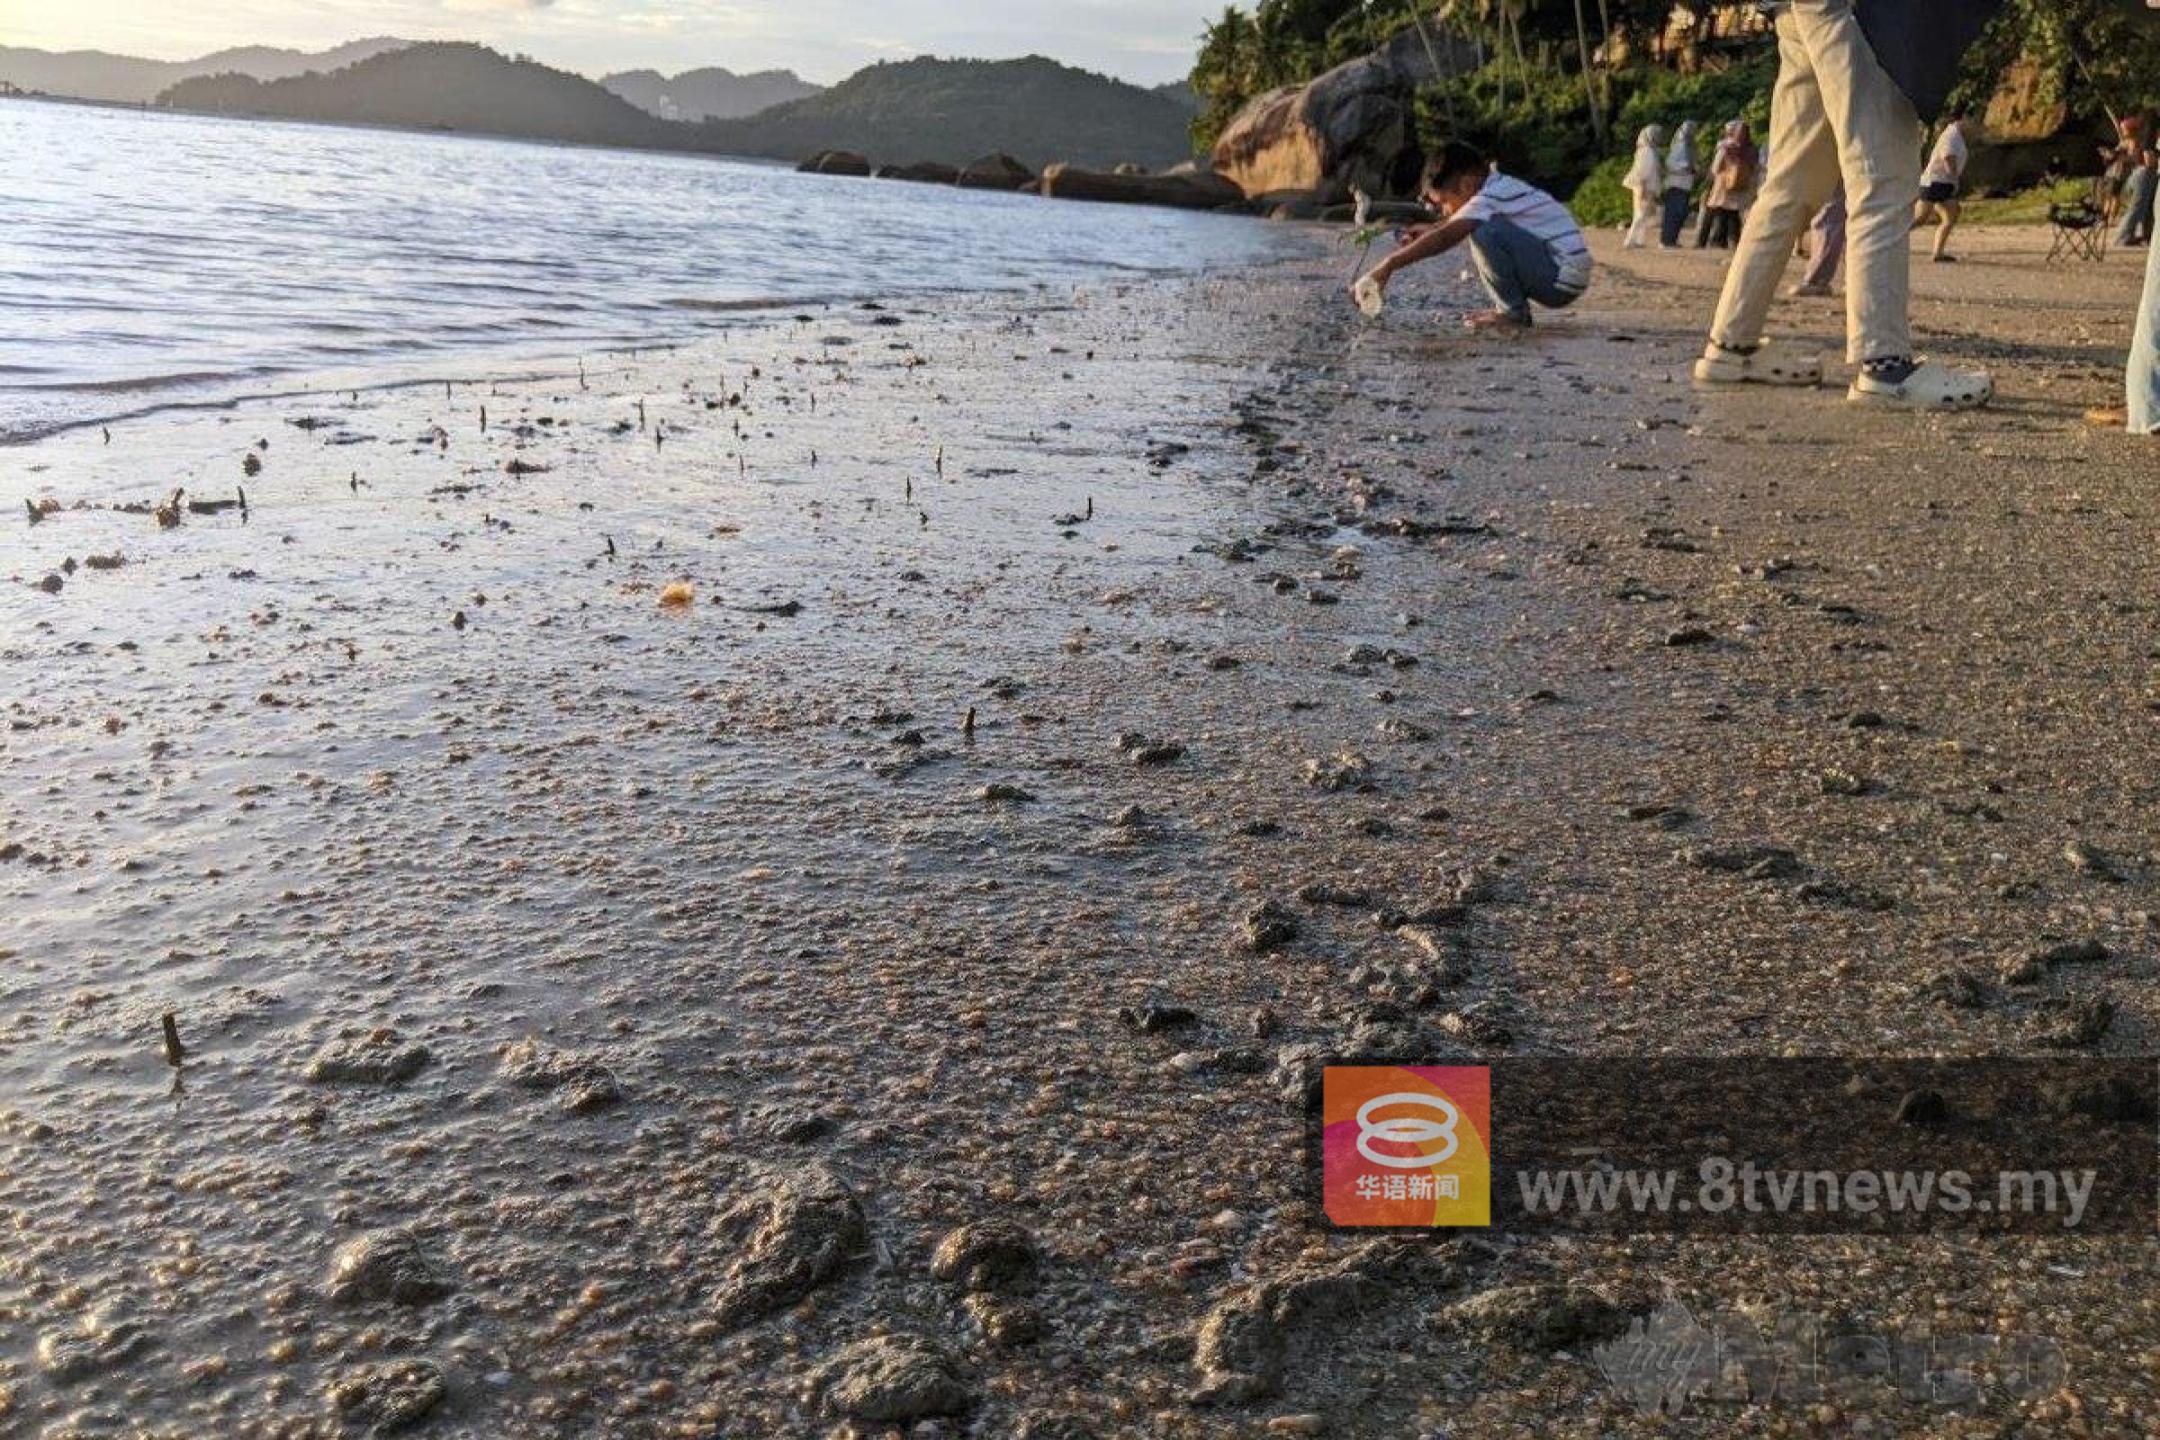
column 1527, row 247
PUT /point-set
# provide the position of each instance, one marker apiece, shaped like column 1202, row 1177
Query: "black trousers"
column 1720, row 227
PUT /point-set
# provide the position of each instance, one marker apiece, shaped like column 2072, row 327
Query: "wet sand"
column 670, row 981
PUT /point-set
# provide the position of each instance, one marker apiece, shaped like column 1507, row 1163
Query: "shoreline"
column 489, row 276
column 423, row 752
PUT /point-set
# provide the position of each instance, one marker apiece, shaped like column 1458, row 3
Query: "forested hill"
column 712, row 93
column 132, row 80
column 443, row 86
column 929, row 109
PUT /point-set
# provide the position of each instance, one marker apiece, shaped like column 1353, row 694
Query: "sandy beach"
column 790, row 886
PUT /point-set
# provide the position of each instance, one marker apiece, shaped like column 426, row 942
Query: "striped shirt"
column 1503, row 197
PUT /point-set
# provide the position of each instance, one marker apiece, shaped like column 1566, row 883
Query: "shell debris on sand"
column 931, row 1102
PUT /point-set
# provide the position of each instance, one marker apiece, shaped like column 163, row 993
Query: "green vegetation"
column 2098, row 55
column 1532, row 105
column 1522, row 44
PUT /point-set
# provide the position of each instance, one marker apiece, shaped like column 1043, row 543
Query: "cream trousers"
column 1835, row 116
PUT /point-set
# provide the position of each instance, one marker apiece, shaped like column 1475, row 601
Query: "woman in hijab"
column 1646, row 181
column 1732, row 176
column 1679, row 184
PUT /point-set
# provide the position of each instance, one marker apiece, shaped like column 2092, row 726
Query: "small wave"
column 137, row 384
column 763, row 302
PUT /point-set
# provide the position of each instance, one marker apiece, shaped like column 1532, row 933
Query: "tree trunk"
column 1604, row 15
column 1589, row 79
column 1440, row 77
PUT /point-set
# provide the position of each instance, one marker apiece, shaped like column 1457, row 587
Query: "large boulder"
column 996, row 172
column 922, row 172
column 1354, row 126
column 1191, row 190
column 835, row 162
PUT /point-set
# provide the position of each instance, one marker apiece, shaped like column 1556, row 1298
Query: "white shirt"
column 1503, row 197
column 1947, row 165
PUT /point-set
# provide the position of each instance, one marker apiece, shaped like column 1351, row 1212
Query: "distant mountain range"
column 1182, row 92
column 927, row 109
column 96, row 75
column 708, row 94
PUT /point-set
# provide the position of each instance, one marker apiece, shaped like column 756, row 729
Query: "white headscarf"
column 1680, row 159
column 1648, row 172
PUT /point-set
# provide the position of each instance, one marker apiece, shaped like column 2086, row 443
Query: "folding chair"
column 2080, row 231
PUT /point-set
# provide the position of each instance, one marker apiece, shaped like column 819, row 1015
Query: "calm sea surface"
column 147, row 258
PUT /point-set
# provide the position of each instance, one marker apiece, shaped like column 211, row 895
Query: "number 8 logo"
column 1406, row 1130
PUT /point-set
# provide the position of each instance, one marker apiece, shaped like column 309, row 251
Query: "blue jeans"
column 2137, row 209
column 2142, row 383
column 1517, row 268
column 1677, row 203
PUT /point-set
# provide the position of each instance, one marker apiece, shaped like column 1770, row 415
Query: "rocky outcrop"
column 1353, row 126
column 922, row 172
column 835, row 162
column 996, row 172
column 1189, row 190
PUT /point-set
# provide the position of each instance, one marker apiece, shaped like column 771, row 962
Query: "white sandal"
column 1768, row 365
column 1930, row 387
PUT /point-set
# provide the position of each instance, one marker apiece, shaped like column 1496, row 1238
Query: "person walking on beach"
column 2116, row 163
column 1940, row 184
column 1646, row 182
column 1826, row 249
column 1679, row 184
column 1732, row 176
column 1527, row 247
column 1837, row 113
column 2137, row 203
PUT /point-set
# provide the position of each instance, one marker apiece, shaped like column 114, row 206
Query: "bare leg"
column 1949, row 212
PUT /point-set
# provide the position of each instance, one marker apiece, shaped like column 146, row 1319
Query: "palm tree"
column 1582, row 50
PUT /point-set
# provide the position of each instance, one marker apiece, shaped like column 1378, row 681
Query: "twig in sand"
column 175, row 1052
column 967, row 722
column 610, row 545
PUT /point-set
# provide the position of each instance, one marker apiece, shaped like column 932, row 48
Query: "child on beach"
column 1837, row 114
column 1527, row 247
column 1939, row 186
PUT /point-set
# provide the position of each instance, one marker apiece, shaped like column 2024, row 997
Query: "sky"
column 1146, row 41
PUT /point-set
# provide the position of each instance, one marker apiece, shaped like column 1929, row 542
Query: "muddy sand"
column 790, row 885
